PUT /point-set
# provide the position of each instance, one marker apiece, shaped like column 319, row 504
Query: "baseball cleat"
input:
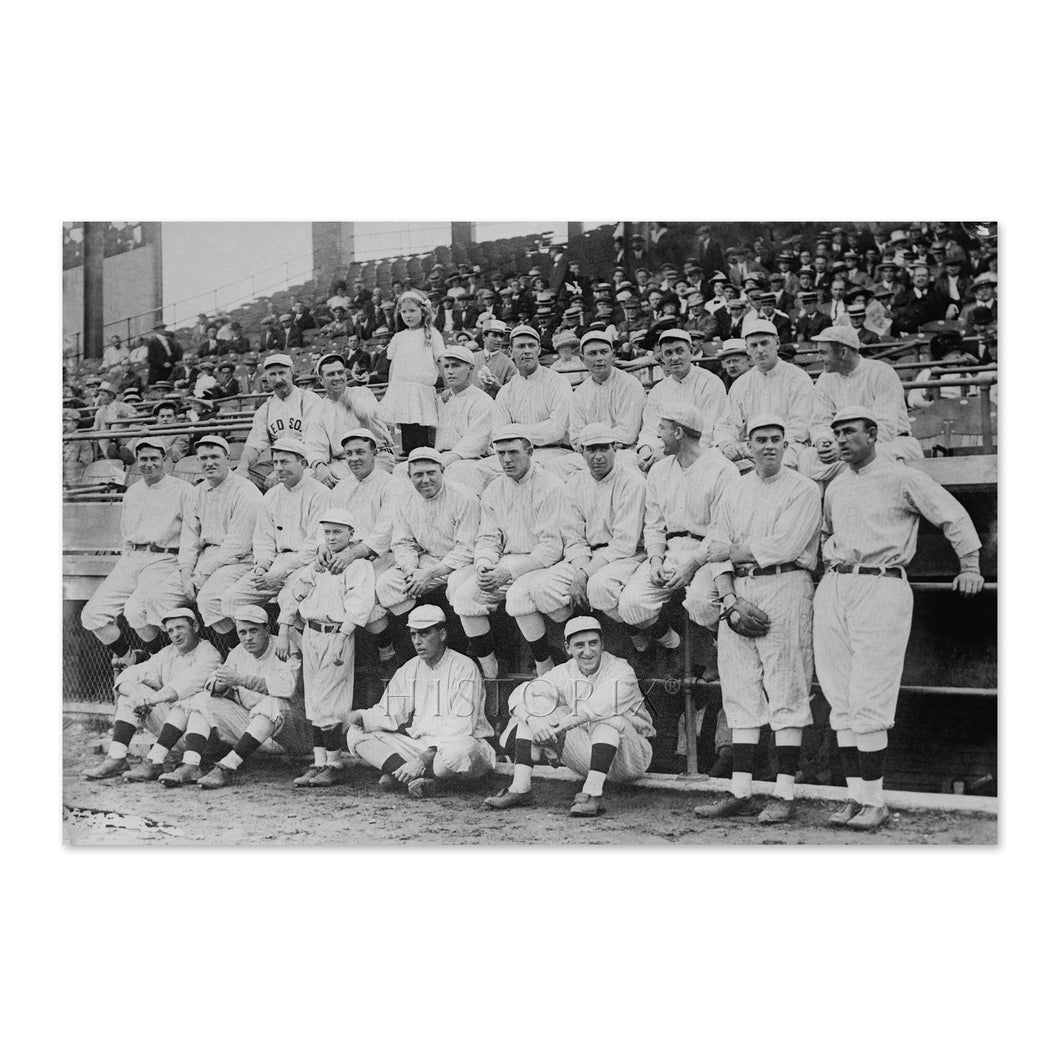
column 508, row 800
column 728, row 806
column 109, row 767
column 586, row 805
column 183, row 774
column 845, row 814
column 144, row 772
column 869, row 819
column 326, row 777
column 218, row 777
column 422, row 787
column 777, row 811
column 307, row 776
column 388, row 782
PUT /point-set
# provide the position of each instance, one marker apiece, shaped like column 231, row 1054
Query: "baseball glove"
column 746, row 619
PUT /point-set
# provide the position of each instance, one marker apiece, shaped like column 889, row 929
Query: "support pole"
column 93, row 290
column 691, row 736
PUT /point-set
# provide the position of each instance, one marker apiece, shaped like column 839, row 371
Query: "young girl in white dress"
column 409, row 400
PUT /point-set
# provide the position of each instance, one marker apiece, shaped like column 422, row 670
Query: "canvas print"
column 557, row 532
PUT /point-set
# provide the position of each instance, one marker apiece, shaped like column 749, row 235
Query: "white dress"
column 409, row 396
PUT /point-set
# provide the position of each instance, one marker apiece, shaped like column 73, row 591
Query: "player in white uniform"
column 772, row 386
column 686, row 384
column 589, row 713
column 343, row 409
column 141, row 584
column 863, row 607
column 430, row 727
column 285, row 414
column 603, row 525
column 331, row 606
column 540, row 400
column 285, row 535
column 684, row 489
column 247, row 700
column 763, row 548
column 847, row 379
column 155, row 694
column 609, row 396
column 217, row 537
column 434, row 535
column 519, row 535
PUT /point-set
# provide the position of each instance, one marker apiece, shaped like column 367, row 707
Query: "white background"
column 476, row 110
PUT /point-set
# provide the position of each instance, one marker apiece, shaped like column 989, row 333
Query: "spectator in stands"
column 176, row 445
column 493, row 367
column 205, row 385
column 735, row 361
column 856, row 316
column 984, row 290
column 731, row 325
column 339, row 297
column 921, row 304
column 339, row 326
column 109, row 413
column 270, row 337
column 464, row 315
column 301, row 318
column 77, row 454
column 810, row 320
column 767, row 310
column 227, row 384
column 835, row 307
column 184, row 374
column 566, row 346
column 114, row 355
column 291, row 336
column 163, row 352
column 211, row 345
column 981, row 343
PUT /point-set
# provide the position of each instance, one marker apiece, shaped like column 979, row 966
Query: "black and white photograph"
column 557, row 532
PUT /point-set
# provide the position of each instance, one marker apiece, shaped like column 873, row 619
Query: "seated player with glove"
column 763, row 545
column 588, row 713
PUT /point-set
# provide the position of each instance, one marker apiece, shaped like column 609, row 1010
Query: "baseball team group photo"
column 563, row 533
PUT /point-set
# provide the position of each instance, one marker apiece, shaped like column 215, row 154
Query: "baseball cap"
column 149, row 443
column 759, row 326
column 108, row 386
column 765, row 419
column 426, row 616
column 339, row 516
column 289, row 445
column 595, row 336
column 459, row 353
column 581, row 624
column 676, row 334
column 180, row 612
column 358, row 432
column 252, row 613
column 425, row 452
column 683, row 414
column 853, row 412
column 282, row 359
column 846, row 335
column 212, row 439
column 498, row 327
column 512, row 431
column 525, row 329
column 597, row 434
column 331, row 355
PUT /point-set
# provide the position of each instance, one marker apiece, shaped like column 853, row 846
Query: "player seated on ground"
column 155, row 694
column 430, row 727
column 248, row 699
column 331, row 606
column 589, row 713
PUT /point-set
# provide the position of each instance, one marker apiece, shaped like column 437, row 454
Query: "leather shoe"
column 307, row 776
column 109, row 767
column 145, row 771
column 869, row 819
column 586, row 805
column 183, row 774
column 388, row 782
column 422, row 787
column 777, row 811
column 508, row 800
column 218, row 777
column 845, row 814
column 326, row 777
column 728, row 806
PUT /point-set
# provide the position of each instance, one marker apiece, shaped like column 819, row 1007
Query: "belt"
column 684, row 533
column 857, row 568
column 283, row 550
column 745, row 570
column 593, row 548
column 154, row 548
column 323, row 627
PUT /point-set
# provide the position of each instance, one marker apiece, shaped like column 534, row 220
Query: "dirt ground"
column 263, row 809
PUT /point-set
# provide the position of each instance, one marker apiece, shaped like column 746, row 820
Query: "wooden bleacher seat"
column 188, row 469
column 101, row 472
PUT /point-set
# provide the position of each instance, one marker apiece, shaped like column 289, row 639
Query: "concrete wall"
column 130, row 288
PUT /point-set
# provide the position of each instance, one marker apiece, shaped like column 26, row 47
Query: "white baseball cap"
column 581, row 624
column 426, row 616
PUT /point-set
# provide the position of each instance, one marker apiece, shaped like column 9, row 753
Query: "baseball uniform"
column 424, row 707
column 330, row 421
column 281, row 417
column 328, row 604
column 140, row 584
column 876, row 386
column 435, row 534
column 861, row 621
column 681, row 502
column 618, row 401
column 700, row 388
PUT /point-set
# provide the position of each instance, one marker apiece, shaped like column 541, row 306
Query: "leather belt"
column 878, row 572
column 323, row 627
column 593, row 548
column 683, row 533
column 749, row 570
column 155, row 548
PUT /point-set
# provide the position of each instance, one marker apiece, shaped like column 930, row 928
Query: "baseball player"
column 434, row 535
column 343, row 409
column 493, row 367
column 155, row 693
column 331, row 607
column 847, row 379
column 216, row 537
column 772, row 386
column 430, row 726
column 686, row 384
column 684, row 489
column 372, row 497
column 603, row 525
column 538, row 399
column 863, row 607
column 248, row 699
column 285, row 414
column 141, row 584
column 519, row 534
column 589, row 712
column 285, row 534
column 608, row 396
column 763, row 548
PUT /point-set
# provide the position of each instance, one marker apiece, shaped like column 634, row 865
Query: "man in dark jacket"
column 163, row 351
column 920, row 305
